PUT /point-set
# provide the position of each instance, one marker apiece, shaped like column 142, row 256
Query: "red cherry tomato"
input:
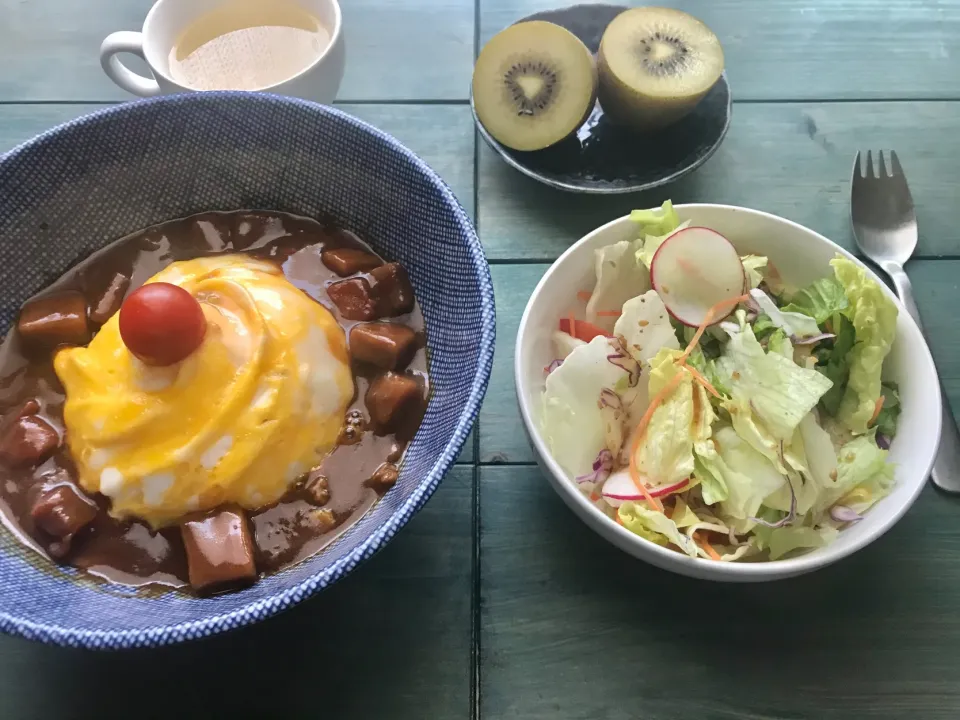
column 161, row 323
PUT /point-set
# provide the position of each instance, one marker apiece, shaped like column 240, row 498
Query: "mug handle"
column 129, row 42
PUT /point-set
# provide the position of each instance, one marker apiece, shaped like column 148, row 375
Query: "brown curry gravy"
column 129, row 552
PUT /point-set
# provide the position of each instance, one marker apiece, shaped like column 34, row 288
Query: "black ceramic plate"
column 602, row 158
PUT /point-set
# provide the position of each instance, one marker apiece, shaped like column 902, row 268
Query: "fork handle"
column 946, row 466
column 901, row 284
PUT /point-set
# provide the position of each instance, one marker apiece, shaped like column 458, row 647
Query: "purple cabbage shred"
column 812, row 339
column 602, row 467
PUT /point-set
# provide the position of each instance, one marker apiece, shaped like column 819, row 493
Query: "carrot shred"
column 608, row 313
column 707, row 547
column 584, row 295
column 703, row 381
column 581, row 329
column 708, row 319
column 876, row 410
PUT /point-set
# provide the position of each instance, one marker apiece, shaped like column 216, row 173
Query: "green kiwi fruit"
column 655, row 65
column 534, row 84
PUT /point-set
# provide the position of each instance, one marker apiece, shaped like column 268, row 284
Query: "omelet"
column 260, row 402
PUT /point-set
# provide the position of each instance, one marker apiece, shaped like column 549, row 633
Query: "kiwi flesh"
column 534, row 84
column 655, row 65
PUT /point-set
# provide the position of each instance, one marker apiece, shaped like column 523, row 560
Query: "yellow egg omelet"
column 260, row 402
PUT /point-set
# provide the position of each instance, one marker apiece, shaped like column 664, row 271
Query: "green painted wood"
column 936, row 283
column 394, row 50
column 814, row 50
column 571, row 627
column 441, row 134
column 793, row 160
column 502, row 438
column 390, row 641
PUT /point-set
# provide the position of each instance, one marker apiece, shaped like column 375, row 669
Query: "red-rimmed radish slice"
column 619, row 488
column 693, row 270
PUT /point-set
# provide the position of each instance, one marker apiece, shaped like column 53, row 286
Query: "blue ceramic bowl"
column 98, row 178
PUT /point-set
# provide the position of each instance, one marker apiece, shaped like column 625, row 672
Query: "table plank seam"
column 475, row 610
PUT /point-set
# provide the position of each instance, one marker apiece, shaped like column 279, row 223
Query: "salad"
column 706, row 406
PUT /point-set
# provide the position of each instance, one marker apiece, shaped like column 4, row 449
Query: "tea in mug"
column 247, row 45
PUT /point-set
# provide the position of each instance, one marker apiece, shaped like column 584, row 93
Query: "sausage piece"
column 392, row 289
column 111, row 299
column 62, row 512
column 348, row 261
column 219, row 550
column 59, row 319
column 389, row 398
column 28, row 440
column 353, row 299
column 389, row 346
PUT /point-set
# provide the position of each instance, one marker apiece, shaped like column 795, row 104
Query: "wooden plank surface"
column 783, row 49
column 417, row 49
column 571, row 627
column 936, row 283
column 390, row 641
column 793, row 160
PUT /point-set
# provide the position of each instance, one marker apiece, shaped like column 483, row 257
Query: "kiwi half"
column 655, row 65
column 534, row 84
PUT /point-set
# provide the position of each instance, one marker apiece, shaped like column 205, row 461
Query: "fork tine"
column 857, row 170
column 881, row 165
column 868, row 171
column 895, row 162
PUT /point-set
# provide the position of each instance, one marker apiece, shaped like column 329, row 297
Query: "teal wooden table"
column 496, row 602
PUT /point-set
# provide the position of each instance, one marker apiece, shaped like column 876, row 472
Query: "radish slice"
column 619, row 488
column 693, row 270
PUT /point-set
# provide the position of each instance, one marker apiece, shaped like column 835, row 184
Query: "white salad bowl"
column 802, row 256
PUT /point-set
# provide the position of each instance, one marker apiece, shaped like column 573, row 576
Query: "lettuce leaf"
column 571, row 420
column 821, row 300
column 619, row 278
column 874, row 318
column 685, row 417
column 776, row 389
column 654, row 526
column 861, row 464
column 749, row 477
column 890, row 412
column 707, row 368
column 780, row 344
column 710, row 470
column 682, row 515
column 752, row 266
column 793, row 323
column 659, row 221
column 644, row 327
column 833, row 363
column 655, row 227
column 781, row 541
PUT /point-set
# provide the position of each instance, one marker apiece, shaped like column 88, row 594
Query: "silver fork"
column 885, row 225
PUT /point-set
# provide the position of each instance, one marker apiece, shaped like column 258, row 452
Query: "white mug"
column 320, row 81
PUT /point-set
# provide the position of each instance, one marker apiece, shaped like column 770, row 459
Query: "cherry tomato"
column 161, row 323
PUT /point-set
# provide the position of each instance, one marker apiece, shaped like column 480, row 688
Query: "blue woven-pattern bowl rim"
column 160, row 635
